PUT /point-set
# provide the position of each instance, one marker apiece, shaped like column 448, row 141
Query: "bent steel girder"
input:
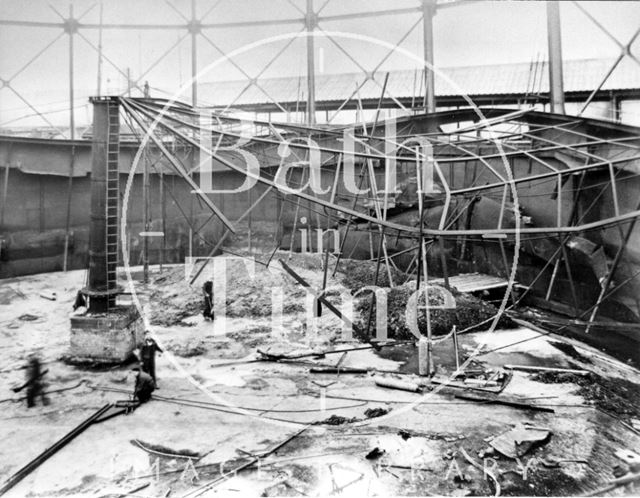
column 163, row 121
column 609, row 157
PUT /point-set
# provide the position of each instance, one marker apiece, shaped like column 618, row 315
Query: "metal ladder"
column 113, row 152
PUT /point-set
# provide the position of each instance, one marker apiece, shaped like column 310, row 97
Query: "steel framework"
column 505, row 145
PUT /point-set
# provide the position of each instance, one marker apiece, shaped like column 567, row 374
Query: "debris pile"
column 355, row 274
column 616, row 396
column 173, row 300
column 468, row 311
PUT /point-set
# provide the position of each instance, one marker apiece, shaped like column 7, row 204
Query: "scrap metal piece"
column 517, row 442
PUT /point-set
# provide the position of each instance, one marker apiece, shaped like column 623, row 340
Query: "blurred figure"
column 207, row 290
column 80, row 301
column 34, row 383
column 144, row 386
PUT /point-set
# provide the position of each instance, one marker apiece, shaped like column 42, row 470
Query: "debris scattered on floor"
column 338, row 420
column 163, row 451
column 533, row 368
column 376, row 412
column 519, row 441
column 402, row 385
column 51, row 296
column 374, row 454
column 613, row 395
column 481, row 405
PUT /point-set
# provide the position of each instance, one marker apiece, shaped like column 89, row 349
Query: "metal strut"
column 37, row 461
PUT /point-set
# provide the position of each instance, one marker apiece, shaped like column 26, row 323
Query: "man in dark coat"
column 148, row 356
column 144, row 386
column 207, row 290
column 34, row 383
column 80, row 301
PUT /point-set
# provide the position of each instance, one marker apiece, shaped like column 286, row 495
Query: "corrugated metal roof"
column 499, row 79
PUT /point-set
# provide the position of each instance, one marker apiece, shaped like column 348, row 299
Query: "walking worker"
column 144, row 386
column 207, row 290
column 34, row 383
column 148, row 356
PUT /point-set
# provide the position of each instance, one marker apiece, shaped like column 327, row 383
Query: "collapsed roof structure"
column 546, row 200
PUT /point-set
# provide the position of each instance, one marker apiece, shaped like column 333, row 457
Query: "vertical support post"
column 456, row 348
column 554, row 40
column 70, row 27
column 98, row 232
column 145, row 216
column 99, row 86
column 194, row 28
column 428, row 12
column 250, row 220
column 164, row 220
column 5, row 192
column 310, row 22
column 427, row 360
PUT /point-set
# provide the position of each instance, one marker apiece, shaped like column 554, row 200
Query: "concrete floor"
column 216, row 401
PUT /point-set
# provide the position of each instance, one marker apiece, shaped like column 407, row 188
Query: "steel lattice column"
column 554, row 40
column 428, row 11
column 103, row 249
column 310, row 21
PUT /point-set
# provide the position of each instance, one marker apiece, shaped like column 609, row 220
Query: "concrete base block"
column 106, row 337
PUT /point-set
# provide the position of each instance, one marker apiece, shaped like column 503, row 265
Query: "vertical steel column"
column 5, row 187
column 311, row 21
column 103, row 236
column 554, row 41
column 70, row 26
column 428, row 12
column 99, row 87
column 164, row 220
column 145, row 215
column 98, row 232
column 194, row 29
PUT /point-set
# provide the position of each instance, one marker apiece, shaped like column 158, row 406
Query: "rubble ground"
column 220, row 405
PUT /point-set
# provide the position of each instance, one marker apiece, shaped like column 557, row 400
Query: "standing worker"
column 144, row 386
column 34, row 383
column 207, row 290
column 148, row 356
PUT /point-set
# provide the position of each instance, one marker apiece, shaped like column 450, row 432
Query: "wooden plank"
column 473, row 282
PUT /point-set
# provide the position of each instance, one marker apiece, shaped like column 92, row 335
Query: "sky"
column 472, row 33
